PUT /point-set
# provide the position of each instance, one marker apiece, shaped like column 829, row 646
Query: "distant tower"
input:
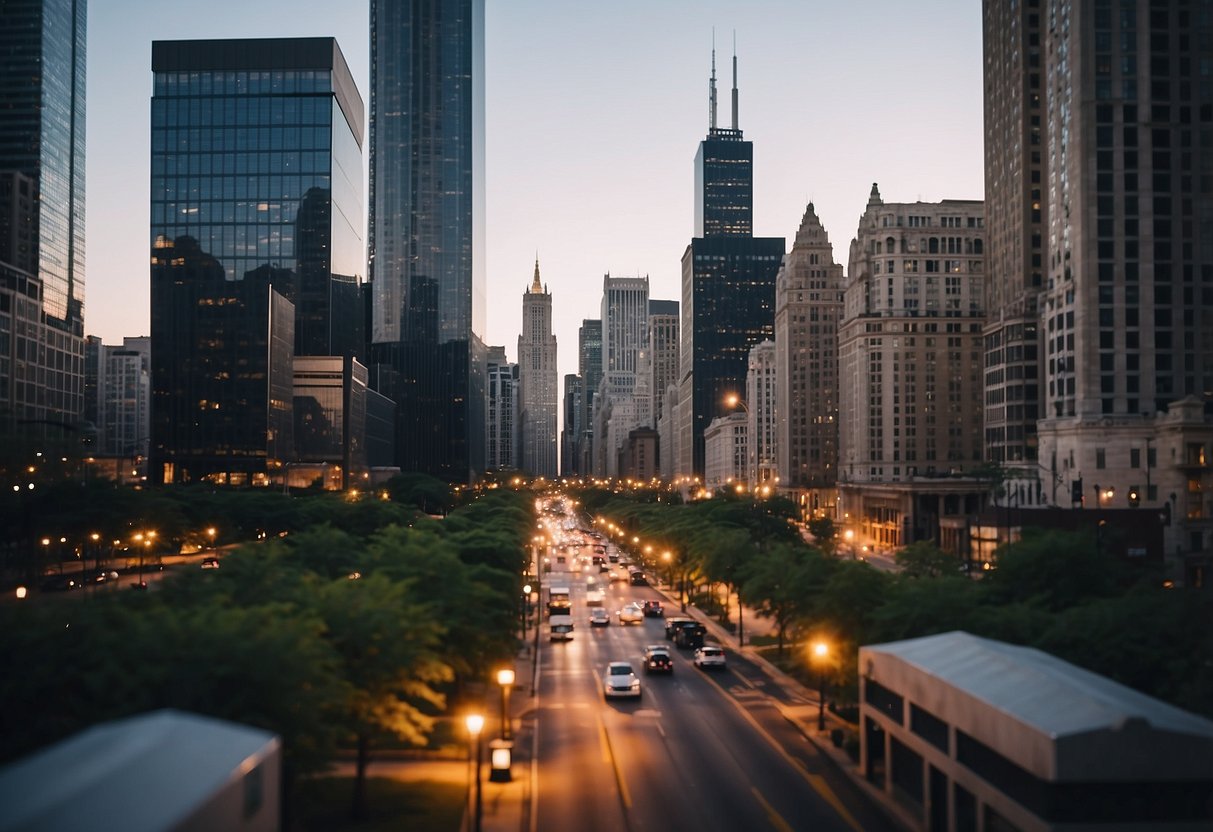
column 537, row 400
column 728, row 283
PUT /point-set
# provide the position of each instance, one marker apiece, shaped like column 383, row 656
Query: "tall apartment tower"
column 589, row 367
column 728, row 282
column 501, row 411
column 537, row 396
column 808, row 309
column 426, row 229
column 1125, row 307
column 42, row 75
column 663, row 352
column 256, row 254
column 625, row 320
column 762, row 444
column 910, row 364
column 1016, row 164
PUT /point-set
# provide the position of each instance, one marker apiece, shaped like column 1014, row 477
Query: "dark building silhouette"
column 255, row 217
column 42, row 80
column 728, row 282
column 426, row 229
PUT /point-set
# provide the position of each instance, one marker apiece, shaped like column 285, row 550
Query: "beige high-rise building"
column 760, row 382
column 808, row 308
column 910, row 364
column 537, row 397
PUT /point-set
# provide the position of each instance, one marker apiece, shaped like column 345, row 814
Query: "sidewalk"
column 505, row 806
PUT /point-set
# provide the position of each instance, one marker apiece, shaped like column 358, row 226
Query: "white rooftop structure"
column 165, row 770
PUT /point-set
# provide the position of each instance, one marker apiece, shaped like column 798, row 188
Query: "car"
column 603, row 569
column 61, row 583
column 653, row 609
column 657, row 659
column 101, row 576
column 620, row 680
column 689, row 635
column 210, row 563
column 709, row 656
column 599, row 617
column 637, row 578
column 672, row 625
column 631, row 614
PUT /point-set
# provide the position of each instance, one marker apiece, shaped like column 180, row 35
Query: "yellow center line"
column 776, row 819
column 823, row 788
column 624, row 795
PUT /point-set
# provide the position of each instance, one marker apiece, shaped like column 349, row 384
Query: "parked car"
column 60, row 583
column 657, row 659
column 653, row 609
column 620, row 680
column 210, row 563
column 631, row 614
column 599, row 617
column 709, row 656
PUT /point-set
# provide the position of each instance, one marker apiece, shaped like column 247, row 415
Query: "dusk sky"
column 594, row 114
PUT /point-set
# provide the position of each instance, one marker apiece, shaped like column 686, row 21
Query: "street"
column 698, row 750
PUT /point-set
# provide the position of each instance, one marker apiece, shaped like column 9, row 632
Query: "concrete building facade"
column 910, row 364
column 762, row 450
column 726, row 451
column 808, row 309
column 501, row 411
column 970, row 733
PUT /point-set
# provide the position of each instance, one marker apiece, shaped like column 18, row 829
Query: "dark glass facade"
column 256, row 216
column 42, row 93
column 330, row 414
column 728, row 284
column 426, row 225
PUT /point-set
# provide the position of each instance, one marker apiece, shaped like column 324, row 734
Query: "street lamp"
column 474, row 723
column 210, row 533
column 526, row 609
column 505, row 678
column 821, row 651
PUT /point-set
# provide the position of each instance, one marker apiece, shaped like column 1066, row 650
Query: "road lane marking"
column 816, row 782
column 823, row 789
column 774, row 817
column 603, row 742
column 624, row 795
column 742, row 678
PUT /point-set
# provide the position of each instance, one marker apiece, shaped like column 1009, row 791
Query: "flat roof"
column 1070, row 707
column 146, row 772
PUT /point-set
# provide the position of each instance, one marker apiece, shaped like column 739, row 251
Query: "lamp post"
column 474, row 723
column 820, row 651
column 505, row 678
column 526, row 608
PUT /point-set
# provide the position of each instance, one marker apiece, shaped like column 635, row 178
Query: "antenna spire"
column 712, row 87
column 735, row 79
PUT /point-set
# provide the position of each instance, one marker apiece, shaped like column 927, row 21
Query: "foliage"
column 925, row 560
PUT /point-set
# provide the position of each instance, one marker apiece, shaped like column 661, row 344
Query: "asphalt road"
column 697, row 751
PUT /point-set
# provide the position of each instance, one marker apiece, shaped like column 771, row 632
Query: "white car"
column 620, row 680
column 709, row 656
column 599, row 617
column 631, row 614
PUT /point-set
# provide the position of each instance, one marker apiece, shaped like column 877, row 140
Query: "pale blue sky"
column 594, row 114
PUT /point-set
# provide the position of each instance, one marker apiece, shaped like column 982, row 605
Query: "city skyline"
column 581, row 118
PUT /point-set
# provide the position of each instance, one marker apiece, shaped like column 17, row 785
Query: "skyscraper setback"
column 42, row 86
column 728, row 281
column 537, row 382
column 426, row 229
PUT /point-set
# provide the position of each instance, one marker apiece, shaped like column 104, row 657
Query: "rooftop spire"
column 536, row 286
column 734, row 79
column 712, row 87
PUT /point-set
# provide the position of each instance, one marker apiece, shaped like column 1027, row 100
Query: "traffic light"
column 1076, row 491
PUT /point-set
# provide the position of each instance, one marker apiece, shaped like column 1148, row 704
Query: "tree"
column 925, row 560
column 1056, row 570
column 781, row 581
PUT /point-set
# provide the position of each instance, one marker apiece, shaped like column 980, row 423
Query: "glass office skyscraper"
column 256, row 220
column 42, row 66
column 426, row 228
column 728, row 283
